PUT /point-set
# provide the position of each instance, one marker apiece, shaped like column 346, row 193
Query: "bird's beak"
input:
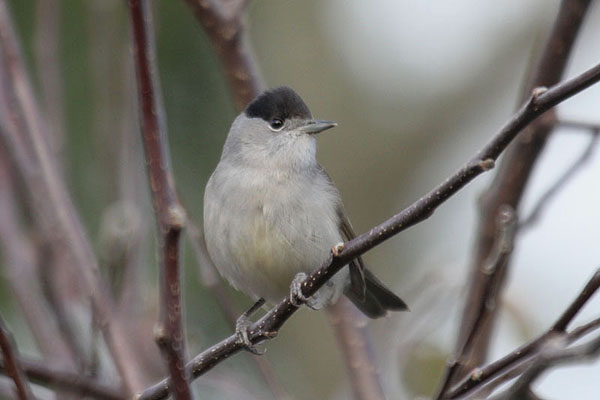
column 316, row 126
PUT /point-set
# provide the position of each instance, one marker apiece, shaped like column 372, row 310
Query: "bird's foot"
column 242, row 329
column 297, row 298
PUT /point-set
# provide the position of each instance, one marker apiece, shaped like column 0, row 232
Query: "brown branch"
column 506, row 222
column 541, row 101
column 357, row 349
column 552, row 354
column 41, row 373
column 225, row 28
column 511, row 180
column 13, row 366
column 26, row 137
column 480, row 375
column 170, row 216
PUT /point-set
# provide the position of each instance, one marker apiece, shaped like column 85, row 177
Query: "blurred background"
column 416, row 87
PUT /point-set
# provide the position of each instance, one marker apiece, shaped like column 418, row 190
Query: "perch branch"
column 170, row 215
column 541, row 100
column 510, row 182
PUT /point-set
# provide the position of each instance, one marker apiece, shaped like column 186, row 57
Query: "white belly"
column 260, row 239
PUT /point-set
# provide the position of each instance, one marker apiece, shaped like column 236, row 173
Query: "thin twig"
column 542, row 99
column 511, row 180
column 170, row 216
column 48, row 193
column 565, row 178
column 41, row 373
column 493, row 267
column 552, row 354
column 13, row 366
column 480, row 375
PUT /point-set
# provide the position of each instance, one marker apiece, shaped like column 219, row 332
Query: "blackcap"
column 272, row 214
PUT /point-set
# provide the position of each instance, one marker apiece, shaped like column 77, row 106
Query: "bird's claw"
column 242, row 329
column 297, row 298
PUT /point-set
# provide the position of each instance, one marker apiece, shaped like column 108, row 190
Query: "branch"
column 355, row 342
column 66, row 381
column 27, row 139
column 506, row 222
column 553, row 353
column 567, row 175
column 479, row 376
column 266, row 328
column 511, row 180
column 170, row 215
column 14, row 369
column 225, row 29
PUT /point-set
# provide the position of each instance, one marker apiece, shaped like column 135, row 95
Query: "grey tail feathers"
column 378, row 299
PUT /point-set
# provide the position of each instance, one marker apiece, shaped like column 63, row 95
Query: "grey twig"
column 170, row 215
column 511, row 180
column 541, row 100
column 13, row 366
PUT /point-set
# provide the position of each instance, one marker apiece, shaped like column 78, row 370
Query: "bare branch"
column 224, row 26
column 13, row 366
column 479, row 376
column 512, row 177
column 49, row 195
column 67, row 381
column 493, row 267
column 170, row 215
column 553, row 353
column 353, row 338
column 266, row 328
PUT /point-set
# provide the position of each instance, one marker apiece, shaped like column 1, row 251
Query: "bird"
column 272, row 213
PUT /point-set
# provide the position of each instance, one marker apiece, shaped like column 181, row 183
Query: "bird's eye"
column 276, row 124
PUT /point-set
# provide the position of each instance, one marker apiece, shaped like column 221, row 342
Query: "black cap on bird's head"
column 281, row 102
column 278, row 105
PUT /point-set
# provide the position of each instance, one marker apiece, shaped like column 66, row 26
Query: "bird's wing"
column 357, row 267
column 358, row 285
